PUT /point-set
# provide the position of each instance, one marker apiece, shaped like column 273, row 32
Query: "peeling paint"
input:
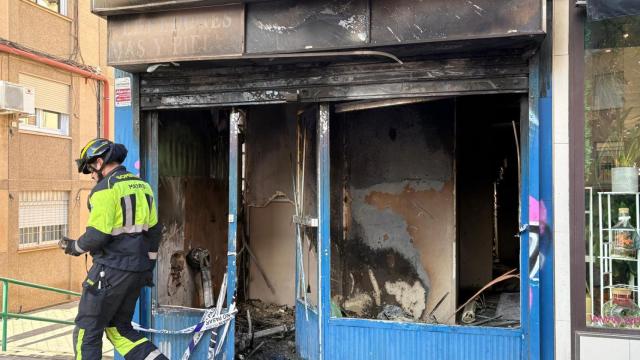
column 358, row 304
column 412, row 299
column 378, row 223
column 294, row 25
column 273, row 27
column 349, row 23
column 353, row 283
column 376, row 288
column 355, row 24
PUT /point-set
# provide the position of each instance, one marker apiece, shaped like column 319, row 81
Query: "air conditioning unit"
column 16, row 99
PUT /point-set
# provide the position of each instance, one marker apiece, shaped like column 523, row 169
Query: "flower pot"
column 624, row 179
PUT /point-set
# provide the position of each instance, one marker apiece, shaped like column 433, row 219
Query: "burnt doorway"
column 193, row 185
column 488, row 208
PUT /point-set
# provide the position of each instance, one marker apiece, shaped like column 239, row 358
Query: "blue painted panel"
column 530, row 270
column 547, row 332
column 237, row 116
column 128, row 133
column 173, row 346
column 307, row 333
column 324, row 229
column 547, row 313
column 369, row 339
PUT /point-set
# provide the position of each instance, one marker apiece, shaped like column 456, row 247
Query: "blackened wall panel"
column 398, row 211
column 401, row 21
column 183, row 87
column 291, row 25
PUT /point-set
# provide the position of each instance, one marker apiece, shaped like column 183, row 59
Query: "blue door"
column 311, row 229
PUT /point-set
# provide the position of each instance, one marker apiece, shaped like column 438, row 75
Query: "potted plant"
column 624, row 175
column 625, row 139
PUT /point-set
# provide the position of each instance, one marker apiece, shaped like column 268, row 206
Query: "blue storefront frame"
column 372, row 339
column 318, row 336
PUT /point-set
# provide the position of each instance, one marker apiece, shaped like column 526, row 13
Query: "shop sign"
column 194, row 34
column 123, row 92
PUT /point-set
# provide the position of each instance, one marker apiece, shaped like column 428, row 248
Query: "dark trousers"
column 107, row 305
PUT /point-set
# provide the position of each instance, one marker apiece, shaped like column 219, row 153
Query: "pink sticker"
column 136, row 165
column 538, row 213
column 534, row 209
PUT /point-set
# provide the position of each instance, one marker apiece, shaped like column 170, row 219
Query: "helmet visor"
column 82, row 166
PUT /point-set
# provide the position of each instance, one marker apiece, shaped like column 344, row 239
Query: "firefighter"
column 122, row 236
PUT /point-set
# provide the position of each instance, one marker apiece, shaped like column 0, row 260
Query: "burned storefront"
column 357, row 177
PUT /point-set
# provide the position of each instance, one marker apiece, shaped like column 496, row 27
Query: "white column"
column 560, row 33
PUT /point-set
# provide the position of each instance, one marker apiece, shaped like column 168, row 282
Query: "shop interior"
column 424, row 213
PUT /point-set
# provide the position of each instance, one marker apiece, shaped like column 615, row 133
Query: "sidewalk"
column 39, row 340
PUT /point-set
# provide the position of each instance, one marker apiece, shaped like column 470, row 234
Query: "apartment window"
column 52, row 106
column 47, row 121
column 59, row 6
column 43, row 217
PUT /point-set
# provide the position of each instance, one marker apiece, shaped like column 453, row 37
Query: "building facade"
column 598, row 208
column 338, row 144
column 53, row 47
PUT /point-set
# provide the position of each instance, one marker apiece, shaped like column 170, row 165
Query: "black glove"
column 69, row 246
column 148, row 279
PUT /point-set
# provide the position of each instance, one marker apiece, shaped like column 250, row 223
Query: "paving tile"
column 40, row 340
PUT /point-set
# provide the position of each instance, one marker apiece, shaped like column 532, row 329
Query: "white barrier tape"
column 207, row 318
column 211, row 323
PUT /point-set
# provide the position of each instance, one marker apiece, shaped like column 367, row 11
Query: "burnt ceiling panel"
column 179, row 87
column 402, row 21
column 289, row 25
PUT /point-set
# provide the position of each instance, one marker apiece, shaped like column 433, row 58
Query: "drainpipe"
column 70, row 68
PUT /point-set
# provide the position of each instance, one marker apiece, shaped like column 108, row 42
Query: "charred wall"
column 392, row 179
column 193, row 193
column 270, row 147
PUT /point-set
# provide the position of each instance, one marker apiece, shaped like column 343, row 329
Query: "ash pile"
column 265, row 332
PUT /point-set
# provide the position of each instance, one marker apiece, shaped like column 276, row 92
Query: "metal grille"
column 43, row 217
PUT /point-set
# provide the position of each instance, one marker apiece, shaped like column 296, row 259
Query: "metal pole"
column 591, row 257
column 635, row 285
column 611, row 240
column 601, row 245
column 5, row 313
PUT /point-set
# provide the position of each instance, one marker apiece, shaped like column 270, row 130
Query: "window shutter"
column 50, row 95
column 43, row 208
